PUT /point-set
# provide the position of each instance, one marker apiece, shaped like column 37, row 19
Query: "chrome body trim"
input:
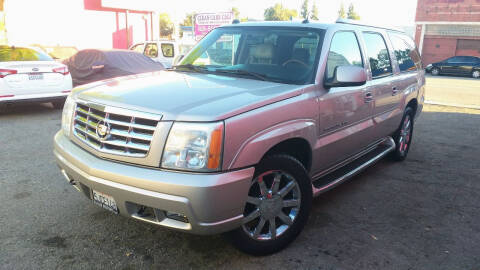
column 130, row 136
column 391, row 146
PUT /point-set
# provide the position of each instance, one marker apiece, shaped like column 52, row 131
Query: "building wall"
column 446, row 28
column 448, row 10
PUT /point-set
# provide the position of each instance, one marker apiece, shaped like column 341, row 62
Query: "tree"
column 314, row 15
column 279, row 13
column 304, row 10
column 166, row 25
column 352, row 15
column 188, row 21
column 236, row 13
column 341, row 12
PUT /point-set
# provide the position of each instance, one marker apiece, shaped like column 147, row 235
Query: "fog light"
column 176, row 216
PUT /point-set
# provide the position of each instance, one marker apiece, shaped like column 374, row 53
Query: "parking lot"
column 419, row 214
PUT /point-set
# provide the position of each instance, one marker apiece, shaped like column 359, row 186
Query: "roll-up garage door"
column 468, row 47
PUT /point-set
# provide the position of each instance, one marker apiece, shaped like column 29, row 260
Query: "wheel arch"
column 299, row 148
column 294, row 138
column 413, row 103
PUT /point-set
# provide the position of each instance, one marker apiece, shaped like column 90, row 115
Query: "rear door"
column 451, row 66
column 466, row 65
column 382, row 86
column 345, row 112
column 406, row 76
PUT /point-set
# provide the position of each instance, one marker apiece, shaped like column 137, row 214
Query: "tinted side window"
column 453, row 60
column 167, row 49
column 403, row 53
column 344, row 51
column 467, row 59
column 151, row 50
column 377, row 55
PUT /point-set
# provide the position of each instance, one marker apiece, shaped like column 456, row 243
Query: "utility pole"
column 126, row 28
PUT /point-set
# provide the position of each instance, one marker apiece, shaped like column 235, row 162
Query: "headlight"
column 194, row 147
column 67, row 115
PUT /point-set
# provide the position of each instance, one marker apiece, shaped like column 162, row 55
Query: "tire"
column 476, row 74
column 58, row 104
column 403, row 136
column 435, row 71
column 292, row 176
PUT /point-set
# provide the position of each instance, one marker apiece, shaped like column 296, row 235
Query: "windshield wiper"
column 243, row 72
column 190, row 67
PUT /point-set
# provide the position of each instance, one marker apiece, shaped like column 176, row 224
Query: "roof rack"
column 355, row 22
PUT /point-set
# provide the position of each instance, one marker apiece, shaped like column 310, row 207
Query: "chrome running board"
column 364, row 159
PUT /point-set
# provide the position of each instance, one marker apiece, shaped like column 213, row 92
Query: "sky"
column 386, row 12
column 69, row 24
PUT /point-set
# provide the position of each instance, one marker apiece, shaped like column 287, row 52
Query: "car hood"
column 185, row 96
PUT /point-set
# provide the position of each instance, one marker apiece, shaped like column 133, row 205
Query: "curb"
column 452, row 105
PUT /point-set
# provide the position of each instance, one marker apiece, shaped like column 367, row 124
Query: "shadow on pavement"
column 24, row 109
column 418, row 214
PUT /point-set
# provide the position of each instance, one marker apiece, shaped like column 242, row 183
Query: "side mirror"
column 347, row 76
column 177, row 59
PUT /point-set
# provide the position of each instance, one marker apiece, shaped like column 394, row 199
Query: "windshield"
column 280, row 54
column 8, row 53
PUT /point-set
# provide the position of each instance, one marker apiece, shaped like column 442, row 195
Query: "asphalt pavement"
column 456, row 91
column 422, row 213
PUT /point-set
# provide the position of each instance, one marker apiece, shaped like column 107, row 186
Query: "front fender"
column 251, row 152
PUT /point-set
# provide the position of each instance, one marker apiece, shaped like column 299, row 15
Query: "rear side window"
column 377, row 55
column 403, row 53
column 8, row 54
column 167, row 49
column 453, row 60
column 151, row 50
column 344, row 51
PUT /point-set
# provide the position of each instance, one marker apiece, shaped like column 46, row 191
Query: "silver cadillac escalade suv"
column 241, row 143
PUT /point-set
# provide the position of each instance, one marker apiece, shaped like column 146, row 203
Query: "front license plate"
column 35, row 76
column 105, row 201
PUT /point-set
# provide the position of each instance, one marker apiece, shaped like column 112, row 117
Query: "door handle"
column 394, row 91
column 368, row 97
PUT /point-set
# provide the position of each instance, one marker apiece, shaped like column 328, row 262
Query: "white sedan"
column 27, row 74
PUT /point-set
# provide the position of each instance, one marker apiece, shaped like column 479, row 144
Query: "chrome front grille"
column 115, row 131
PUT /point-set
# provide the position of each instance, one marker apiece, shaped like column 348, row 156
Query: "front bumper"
column 212, row 203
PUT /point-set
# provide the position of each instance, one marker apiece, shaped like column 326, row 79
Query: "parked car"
column 57, row 52
column 458, row 65
column 244, row 144
column 162, row 51
column 27, row 74
column 94, row 65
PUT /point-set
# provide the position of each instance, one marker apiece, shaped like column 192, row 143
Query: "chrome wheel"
column 273, row 204
column 476, row 74
column 405, row 135
column 435, row 71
